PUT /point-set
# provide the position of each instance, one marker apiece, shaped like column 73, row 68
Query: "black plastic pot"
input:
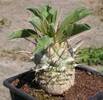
column 17, row 94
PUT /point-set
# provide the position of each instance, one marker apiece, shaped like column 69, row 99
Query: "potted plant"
column 53, row 56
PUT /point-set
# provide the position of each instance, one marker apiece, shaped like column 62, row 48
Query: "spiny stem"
column 59, row 57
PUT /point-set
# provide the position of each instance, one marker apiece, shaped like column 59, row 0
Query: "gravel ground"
column 15, row 16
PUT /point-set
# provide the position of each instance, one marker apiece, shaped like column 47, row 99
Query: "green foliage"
column 46, row 12
column 44, row 19
column 22, row 34
column 43, row 43
column 75, row 16
column 69, row 27
column 91, row 56
column 47, row 29
column 78, row 28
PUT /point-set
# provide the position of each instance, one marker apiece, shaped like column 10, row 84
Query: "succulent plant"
column 51, row 49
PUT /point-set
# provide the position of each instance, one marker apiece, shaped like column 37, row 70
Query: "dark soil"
column 86, row 85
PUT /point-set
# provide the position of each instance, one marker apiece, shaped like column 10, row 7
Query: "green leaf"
column 77, row 15
column 36, row 22
column 43, row 26
column 60, row 37
column 78, row 28
column 49, row 14
column 52, row 15
column 69, row 27
column 36, row 12
column 44, row 11
column 43, row 19
column 22, row 33
column 51, row 30
column 53, row 12
column 43, row 43
column 72, row 18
